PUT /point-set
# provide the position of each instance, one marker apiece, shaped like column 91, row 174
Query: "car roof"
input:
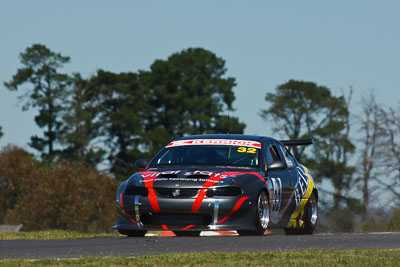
column 261, row 139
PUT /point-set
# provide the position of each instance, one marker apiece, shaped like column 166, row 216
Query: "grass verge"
column 296, row 258
column 63, row 234
column 53, row 234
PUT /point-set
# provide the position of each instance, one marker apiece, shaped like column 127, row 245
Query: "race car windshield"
column 220, row 155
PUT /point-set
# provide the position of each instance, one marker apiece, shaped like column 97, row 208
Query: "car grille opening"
column 176, row 192
column 175, row 219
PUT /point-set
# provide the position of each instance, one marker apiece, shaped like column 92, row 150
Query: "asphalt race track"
column 125, row 246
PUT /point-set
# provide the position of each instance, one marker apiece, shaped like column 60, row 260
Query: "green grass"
column 292, row 259
column 59, row 234
column 53, row 234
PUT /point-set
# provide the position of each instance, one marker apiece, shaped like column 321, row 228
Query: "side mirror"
column 276, row 165
column 141, row 163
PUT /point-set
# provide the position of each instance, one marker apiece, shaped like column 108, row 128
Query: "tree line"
column 119, row 117
column 360, row 161
column 103, row 123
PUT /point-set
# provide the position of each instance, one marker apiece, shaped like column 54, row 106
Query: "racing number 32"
column 246, row 150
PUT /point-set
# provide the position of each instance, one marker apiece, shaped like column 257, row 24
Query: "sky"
column 338, row 44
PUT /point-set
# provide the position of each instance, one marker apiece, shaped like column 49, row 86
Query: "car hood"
column 190, row 177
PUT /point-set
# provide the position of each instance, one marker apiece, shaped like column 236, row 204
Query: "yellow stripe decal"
column 300, row 207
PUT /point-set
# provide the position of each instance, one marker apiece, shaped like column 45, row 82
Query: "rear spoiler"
column 305, row 142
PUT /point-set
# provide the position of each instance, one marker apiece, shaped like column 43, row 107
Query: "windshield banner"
column 227, row 142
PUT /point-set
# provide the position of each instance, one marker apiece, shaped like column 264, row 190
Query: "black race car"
column 219, row 182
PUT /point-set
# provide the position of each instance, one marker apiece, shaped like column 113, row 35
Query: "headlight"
column 224, row 191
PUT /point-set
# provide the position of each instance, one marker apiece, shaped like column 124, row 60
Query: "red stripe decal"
column 235, row 208
column 122, row 207
column 153, row 199
column 121, row 201
column 187, row 227
column 164, row 227
column 148, row 182
column 259, row 177
column 199, row 199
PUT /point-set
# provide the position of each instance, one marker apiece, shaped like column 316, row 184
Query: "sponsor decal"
column 276, row 199
column 177, row 179
column 302, row 185
column 228, row 142
column 297, row 196
column 277, row 194
column 303, row 191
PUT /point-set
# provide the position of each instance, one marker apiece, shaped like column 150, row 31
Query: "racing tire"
column 261, row 217
column 310, row 218
column 187, row 233
column 132, row 233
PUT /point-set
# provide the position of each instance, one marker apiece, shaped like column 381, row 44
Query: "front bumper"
column 214, row 213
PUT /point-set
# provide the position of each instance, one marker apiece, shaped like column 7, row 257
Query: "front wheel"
column 132, row 233
column 262, row 216
column 310, row 218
